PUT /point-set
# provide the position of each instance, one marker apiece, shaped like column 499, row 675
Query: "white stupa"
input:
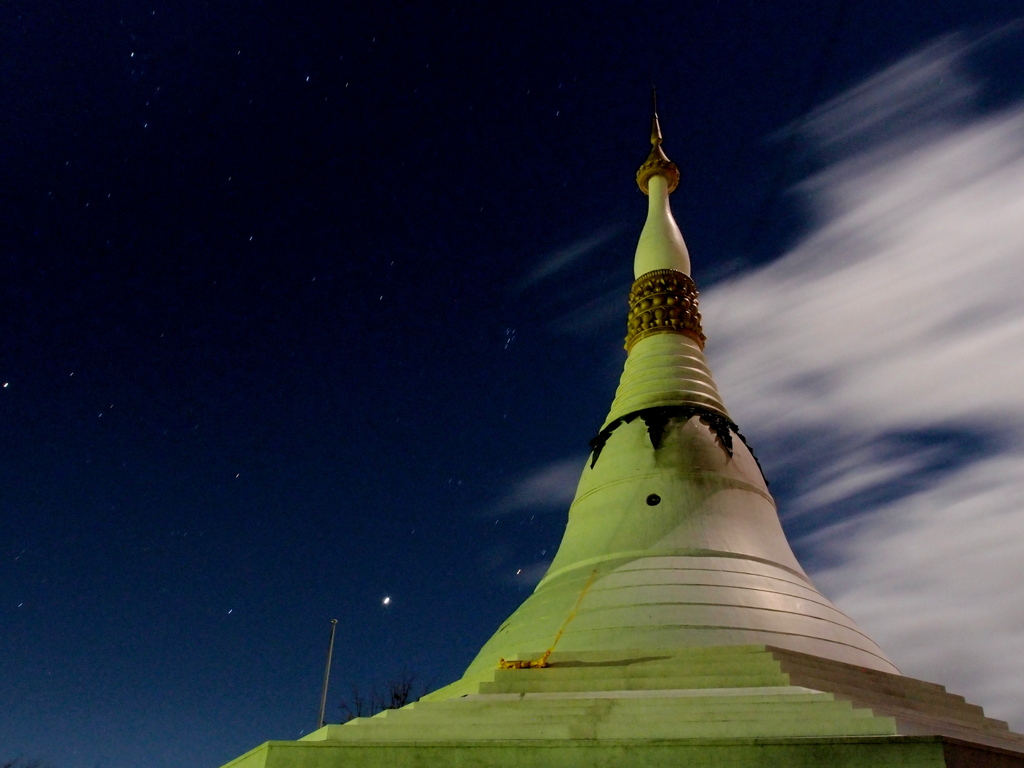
column 674, row 627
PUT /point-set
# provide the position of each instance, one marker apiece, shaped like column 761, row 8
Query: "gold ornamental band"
column 657, row 165
column 663, row 301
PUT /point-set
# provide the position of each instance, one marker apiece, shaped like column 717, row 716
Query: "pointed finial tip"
column 655, row 127
column 657, row 162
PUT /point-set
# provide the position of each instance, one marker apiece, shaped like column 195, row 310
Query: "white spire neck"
column 661, row 243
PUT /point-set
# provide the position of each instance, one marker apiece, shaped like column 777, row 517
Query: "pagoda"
column 675, row 625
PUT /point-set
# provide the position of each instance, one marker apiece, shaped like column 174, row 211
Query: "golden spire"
column 657, row 163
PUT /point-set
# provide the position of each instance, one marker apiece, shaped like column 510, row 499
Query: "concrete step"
column 824, row 706
column 801, row 664
column 894, row 693
column 908, row 705
column 749, row 727
column 653, row 699
column 629, row 656
column 704, row 667
column 529, row 683
column 796, row 714
column 792, row 662
column 929, row 726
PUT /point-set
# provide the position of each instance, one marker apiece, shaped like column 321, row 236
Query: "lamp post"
column 327, row 675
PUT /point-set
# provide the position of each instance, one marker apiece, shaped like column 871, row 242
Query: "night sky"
column 306, row 306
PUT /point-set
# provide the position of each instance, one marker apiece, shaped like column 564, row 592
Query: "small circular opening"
column 653, row 500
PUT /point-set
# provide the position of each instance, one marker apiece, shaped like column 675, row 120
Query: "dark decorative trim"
column 656, row 420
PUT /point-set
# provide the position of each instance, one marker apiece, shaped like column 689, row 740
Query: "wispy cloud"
column 938, row 577
column 605, row 309
column 881, row 364
column 555, row 262
column 928, row 86
column 548, row 488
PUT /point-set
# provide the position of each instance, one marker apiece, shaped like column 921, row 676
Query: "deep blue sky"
column 270, row 345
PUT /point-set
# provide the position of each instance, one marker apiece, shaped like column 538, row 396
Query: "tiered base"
column 729, row 706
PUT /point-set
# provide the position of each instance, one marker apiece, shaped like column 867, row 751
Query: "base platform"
column 694, row 707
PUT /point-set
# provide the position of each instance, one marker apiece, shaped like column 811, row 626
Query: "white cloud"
column 939, row 579
column 902, row 313
column 600, row 312
column 549, row 488
column 928, row 86
column 856, row 471
column 556, row 261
